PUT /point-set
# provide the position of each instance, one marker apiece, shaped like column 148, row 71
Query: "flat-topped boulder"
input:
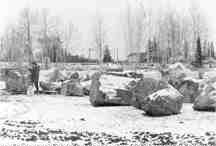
column 110, row 90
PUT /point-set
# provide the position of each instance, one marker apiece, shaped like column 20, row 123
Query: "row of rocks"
column 68, row 84
column 21, row 130
column 17, row 81
column 196, row 87
column 148, row 93
column 155, row 97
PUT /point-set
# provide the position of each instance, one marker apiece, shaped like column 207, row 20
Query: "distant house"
column 137, row 57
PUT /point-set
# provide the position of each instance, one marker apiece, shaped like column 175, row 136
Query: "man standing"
column 34, row 70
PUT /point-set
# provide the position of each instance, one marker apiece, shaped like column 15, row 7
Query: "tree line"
column 165, row 34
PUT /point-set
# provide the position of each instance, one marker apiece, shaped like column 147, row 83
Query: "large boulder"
column 206, row 101
column 72, row 88
column 113, row 67
column 189, row 88
column 176, row 79
column 166, row 101
column 52, row 75
column 176, row 73
column 126, row 95
column 145, row 87
column 50, row 86
column 16, row 80
column 110, row 90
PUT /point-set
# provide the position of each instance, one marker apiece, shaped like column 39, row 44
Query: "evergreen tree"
column 107, row 57
column 186, row 49
column 205, row 48
column 155, row 49
column 55, row 48
column 209, row 49
column 169, row 54
column 150, row 51
column 212, row 49
column 199, row 53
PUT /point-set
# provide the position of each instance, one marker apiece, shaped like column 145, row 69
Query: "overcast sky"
column 82, row 11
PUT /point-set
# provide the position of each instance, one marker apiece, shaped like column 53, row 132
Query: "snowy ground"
column 76, row 114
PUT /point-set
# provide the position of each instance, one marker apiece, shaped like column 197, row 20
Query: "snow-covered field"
column 26, row 115
column 76, row 114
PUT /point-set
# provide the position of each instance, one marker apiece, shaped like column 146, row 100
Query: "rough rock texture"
column 125, row 94
column 190, row 90
column 145, row 87
column 176, row 73
column 110, row 90
column 176, row 79
column 166, row 101
column 52, row 75
column 71, row 88
column 50, row 86
column 56, row 76
column 17, row 80
column 206, row 101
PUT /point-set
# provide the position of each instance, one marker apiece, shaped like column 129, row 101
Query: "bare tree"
column 140, row 27
column 26, row 24
column 135, row 27
column 186, row 49
column 198, row 24
column 99, row 35
column 45, row 39
column 129, row 29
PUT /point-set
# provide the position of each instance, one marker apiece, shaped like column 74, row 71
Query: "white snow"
column 58, row 111
column 114, row 82
column 45, row 74
column 146, row 74
column 208, row 75
column 180, row 68
column 2, row 85
column 172, row 92
column 12, row 109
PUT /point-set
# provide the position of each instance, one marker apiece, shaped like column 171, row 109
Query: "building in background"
column 137, row 57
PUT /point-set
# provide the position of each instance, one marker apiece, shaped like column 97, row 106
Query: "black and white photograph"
column 107, row 73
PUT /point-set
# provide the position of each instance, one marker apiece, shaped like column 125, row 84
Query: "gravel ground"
column 34, row 131
column 60, row 119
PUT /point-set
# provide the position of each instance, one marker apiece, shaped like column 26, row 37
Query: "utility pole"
column 117, row 55
column 2, row 43
column 113, row 54
column 90, row 52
